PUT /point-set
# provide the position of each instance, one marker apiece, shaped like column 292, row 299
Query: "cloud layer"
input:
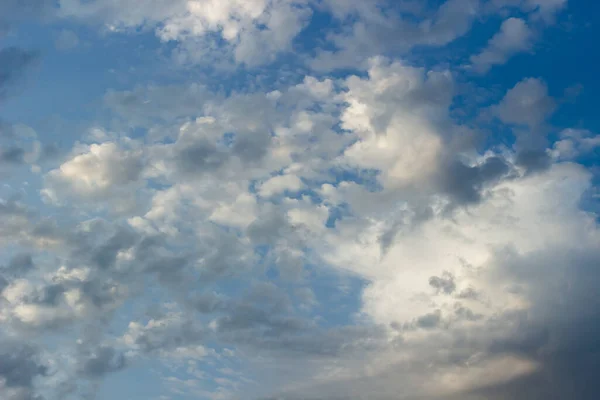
column 338, row 223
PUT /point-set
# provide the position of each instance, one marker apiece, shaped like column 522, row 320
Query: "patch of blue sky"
column 140, row 381
column 339, row 296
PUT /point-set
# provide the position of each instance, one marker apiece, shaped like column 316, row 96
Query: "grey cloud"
column 208, row 303
column 12, row 155
column 102, row 361
column 466, row 314
column 16, row 217
column 200, row 157
column 19, row 367
column 51, row 294
column 527, row 107
column 464, row 183
column 445, row 283
column 533, row 161
column 559, row 332
column 252, row 148
column 268, row 228
column 152, row 255
column 145, row 106
column 105, row 255
column 20, row 264
column 429, row 321
column 527, row 103
column 169, row 333
column 469, row 293
column 379, row 33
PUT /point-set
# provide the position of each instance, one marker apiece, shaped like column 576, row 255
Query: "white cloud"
column 280, row 183
column 378, row 30
column 574, row 143
column 97, row 173
column 251, row 29
column 527, row 105
column 514, row 37
column 337, row 237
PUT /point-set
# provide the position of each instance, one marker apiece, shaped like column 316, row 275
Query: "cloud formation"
column 335, row 208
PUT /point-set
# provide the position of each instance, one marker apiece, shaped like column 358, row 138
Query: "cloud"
column 379, row 30
column 96, row 173
column 305, row 236
column 249, row 29
column 575, row 143
column 527, row 105
column 19, row 368
column 514, row 37
column 102, row 361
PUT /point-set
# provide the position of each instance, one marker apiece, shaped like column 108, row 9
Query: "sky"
column 299, row 199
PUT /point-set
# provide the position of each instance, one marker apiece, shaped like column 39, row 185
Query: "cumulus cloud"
column 527, row 106
column 96, row 173
column 251, row 29
column 358, row 235
column 20, row 366
column 514, row 37
column 377, row 32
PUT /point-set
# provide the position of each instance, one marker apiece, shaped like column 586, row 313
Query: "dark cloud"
column 20, row 264
column 533, row 161
column 445, row 283
column 102, row 361
column 19, row 367
column 251, row 148
column 50, row 295
column 12, row 155
column 464, row 183
column 429, row 321
column 561, row 330
column 200, row 157
column 105, row 255
column 464, row 313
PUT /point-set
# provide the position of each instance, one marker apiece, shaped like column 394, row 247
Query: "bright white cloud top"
column 295, row 199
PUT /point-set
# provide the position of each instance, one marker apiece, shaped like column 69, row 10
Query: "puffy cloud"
column 250, row 29
column 20, row 366
column 333, row 237
column 527, row 106
column 102, row 361
column 574, row 143
column 514, row 37
column 377, row 32
column 95, row 173
column 396, row 114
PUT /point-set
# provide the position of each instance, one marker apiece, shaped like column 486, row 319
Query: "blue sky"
column 299, row 199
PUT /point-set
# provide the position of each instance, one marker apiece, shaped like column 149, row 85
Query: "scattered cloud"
column 334, row 224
